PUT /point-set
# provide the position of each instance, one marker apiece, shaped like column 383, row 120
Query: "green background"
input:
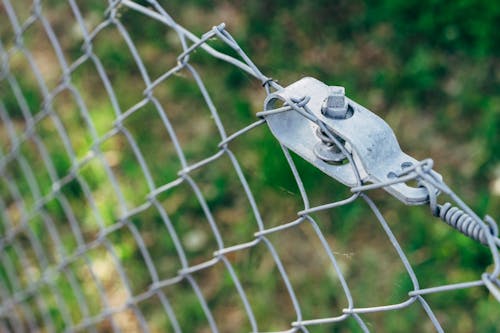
column 430, row 69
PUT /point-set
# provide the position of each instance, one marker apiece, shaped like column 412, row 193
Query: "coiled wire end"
column 461, row 221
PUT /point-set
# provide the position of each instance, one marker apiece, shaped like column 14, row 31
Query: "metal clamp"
column 365, row 136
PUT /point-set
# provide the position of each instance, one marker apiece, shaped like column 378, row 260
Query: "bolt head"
column 335, row 104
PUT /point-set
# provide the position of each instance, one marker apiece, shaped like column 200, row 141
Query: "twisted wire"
column 461, row 221
column 30, row 297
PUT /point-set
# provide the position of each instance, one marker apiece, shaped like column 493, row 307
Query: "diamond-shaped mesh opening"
column 119, row 65
column 22, row 10
column 105, row 265
column 195, row 232
column 85, row 274
column 133, row 256
column 218, row 289
column 70, row 295
column 83, row 210
column 7, row 36
column 129, row 320
column 226, row 199
column 92, row 91
column 71, row 119
column 260, row 277
column 4, row 135
column 55, row 305
column 40, row 168
column 33, row 311
column 12, row 261
column 37, row 256
column 279, row 203
column 154, row 231
column 145, row 129
column 154, row 309
column 6, row 275
column 121, row 172
column 198, row 140
column 20, row 319
column 189, row 311
column 102, row 192
column 15, row 170
column 58, row 150
column 62, row 23
column 22, row 93
column 48, row 238
column 139, row 191
column 12, row 208
column 42, row 52
column 59, row 213
column 294, row 245
column 104, row 325
column 155, row 43
column 91, row 11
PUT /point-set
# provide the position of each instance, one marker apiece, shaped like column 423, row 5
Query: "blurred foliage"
column 430, row 68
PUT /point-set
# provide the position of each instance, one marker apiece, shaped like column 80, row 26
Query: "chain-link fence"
column 131, row 199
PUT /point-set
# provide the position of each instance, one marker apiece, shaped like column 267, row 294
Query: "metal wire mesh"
column 53, row 252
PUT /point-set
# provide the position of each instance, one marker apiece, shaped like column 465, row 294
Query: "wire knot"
column 301, row 101
column 268, row 81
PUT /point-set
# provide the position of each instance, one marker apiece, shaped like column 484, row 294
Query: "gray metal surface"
column 371, row 142
column 371, row 150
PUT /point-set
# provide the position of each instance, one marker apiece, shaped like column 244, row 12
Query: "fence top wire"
column 31, row 305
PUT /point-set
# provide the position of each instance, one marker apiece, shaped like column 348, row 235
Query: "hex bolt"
column 335, row 105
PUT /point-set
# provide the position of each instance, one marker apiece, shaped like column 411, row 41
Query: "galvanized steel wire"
column 17, row 304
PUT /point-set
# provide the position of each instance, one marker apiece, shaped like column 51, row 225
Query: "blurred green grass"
column 429, row 68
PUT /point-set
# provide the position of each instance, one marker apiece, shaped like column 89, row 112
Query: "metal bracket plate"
column 370, row 141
